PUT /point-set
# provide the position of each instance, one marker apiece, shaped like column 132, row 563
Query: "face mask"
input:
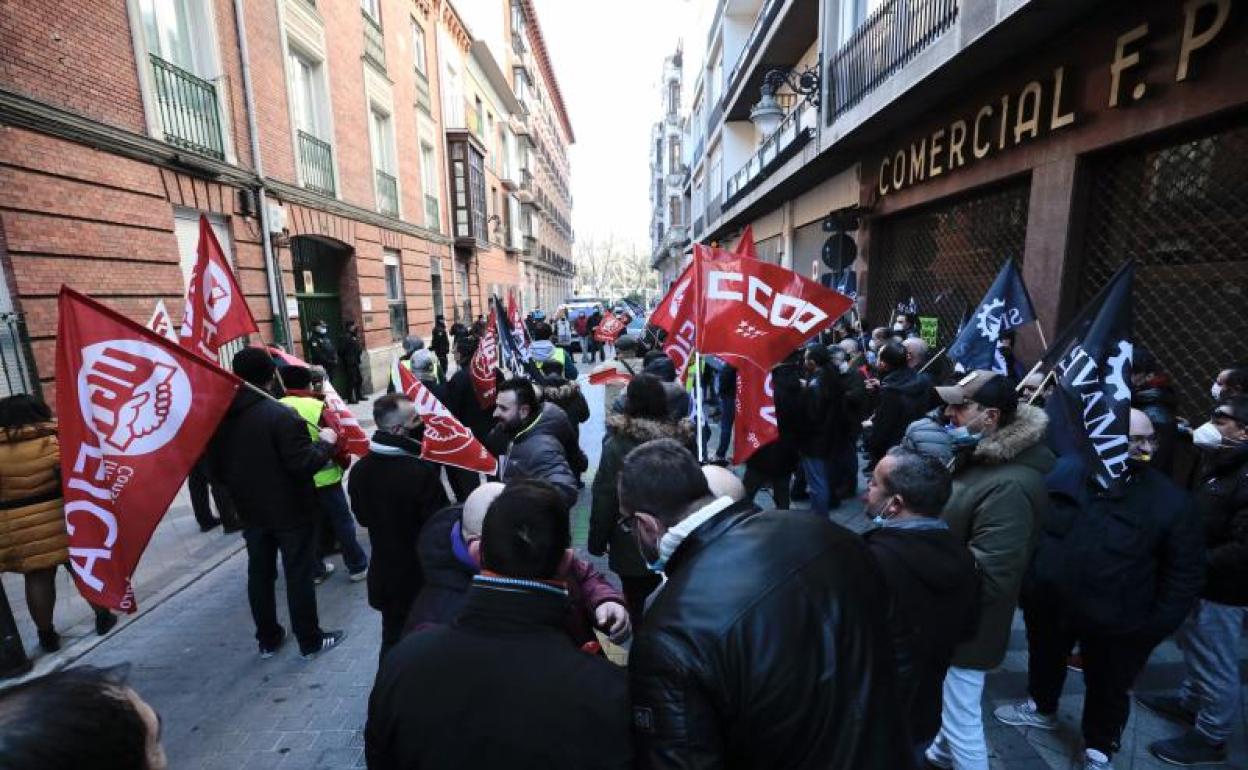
column 961, row 436
column 877, row 517
column 871, row 358
column 874, row 345
column 899, row 327
column 1207, row 436
column 843, row 367
column 656, row 566
column 1216, row 392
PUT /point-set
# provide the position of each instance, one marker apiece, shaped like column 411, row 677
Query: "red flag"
column 609, row 373
column 446, row 440
column 484, row 363
column 676, row 303
column 759, row 312
column 356, row 440
column 609, row 328
column 135, row 413
column 754, row 425
column 216, row 311
column 162, row 323
column 745, row 246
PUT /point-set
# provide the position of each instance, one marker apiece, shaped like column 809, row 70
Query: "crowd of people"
column 755, row 638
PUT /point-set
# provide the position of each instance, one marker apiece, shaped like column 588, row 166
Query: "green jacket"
column 999, row 499
column 624, row 434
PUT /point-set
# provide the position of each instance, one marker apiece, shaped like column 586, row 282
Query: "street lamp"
column 767, row 114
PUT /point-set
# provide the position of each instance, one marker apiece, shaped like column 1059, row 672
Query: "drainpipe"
column 273, row 271
column 450, row 194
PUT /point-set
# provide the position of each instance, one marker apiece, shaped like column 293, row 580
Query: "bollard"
column 13, row 660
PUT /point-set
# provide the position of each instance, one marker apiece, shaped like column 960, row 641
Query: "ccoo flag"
column 355, row 440
column 1094, row 377
column 1006, row 306
column 755, row 425
column 445, row 439
column 135, row 412
column 216, row 311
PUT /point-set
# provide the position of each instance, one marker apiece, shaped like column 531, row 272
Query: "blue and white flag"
column 1006, row 306
column 847, row 283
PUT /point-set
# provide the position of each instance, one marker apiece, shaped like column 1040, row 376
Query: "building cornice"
column 548, row 70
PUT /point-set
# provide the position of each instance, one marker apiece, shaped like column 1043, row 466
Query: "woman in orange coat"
column 33, row 540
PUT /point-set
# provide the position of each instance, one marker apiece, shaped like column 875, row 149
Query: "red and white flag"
column 759, row 312
column 162, row 323
column 484, row 363
column 754, row 425
column 356, row 440
column 446, row 440
column 216, row 311
column 745, row 246
column 135, row 412
column 518, row 329
column 609, row 328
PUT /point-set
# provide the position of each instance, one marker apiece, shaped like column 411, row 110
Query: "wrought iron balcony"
column 766, row 15
column 433, row 219
column 387, row 194
column 794, row 131
column 886, row 42
column 374, row 41
column 316, row 162
column 188, row 110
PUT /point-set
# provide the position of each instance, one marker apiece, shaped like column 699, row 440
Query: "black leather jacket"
column 768, row 648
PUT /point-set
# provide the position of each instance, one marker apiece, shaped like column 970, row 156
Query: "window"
column 675, row 215
column 673, row 156
column 480, row 113
column 435, row 286
column 307, row 95
column 673, row 98
column 395, row 300
column 418, row 47
column 186, row 232
column 429, row 183
column 174, row 31
column 381, row 134
column 372, row 8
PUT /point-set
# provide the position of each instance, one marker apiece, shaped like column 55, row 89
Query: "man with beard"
column 538, row 438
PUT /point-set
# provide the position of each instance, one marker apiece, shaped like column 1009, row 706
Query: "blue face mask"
column 962, row 436
column 657, row 566
column 871, row 358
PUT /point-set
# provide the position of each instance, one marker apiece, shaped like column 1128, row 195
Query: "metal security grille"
column 947, row 255
column 1181, row 211
column 15, row 373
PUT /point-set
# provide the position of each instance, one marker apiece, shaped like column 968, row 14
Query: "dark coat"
column 393, row 493
column 1121, row 565
column 934, row 596
column 1222, row 499
column 780, row 458
column 825, row 424
column 351, row 349
column 264, row 456
column 624, row 434
column 503, row 687
column 854, row 386
column 768, row 648
column 541, row 450
column 461, row 401
column 903, row 399
column 447, row 570
column 441, row 342
column 322, row 351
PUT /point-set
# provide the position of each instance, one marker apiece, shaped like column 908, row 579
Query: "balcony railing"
column 698, row 226
column 188, row 109
column 374, row 42
column 387, row 194
column 433, row 219
column 424, row 99
column 794, row 131
column 886, row 42
column 530, row 246
column 766, row 15
column 316, row 161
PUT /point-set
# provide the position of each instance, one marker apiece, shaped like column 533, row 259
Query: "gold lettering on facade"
column 1005, row 119
column 1123, row 60
column 1027, row 121
column 918, row 161
column 933, row 157
column 980, row 150
column 899, row 169
column 1056, row 119
column 884, row 176
column 1193, row 40
column 957, row 136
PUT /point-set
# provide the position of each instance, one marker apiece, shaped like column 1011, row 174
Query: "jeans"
column 960, row 742
column 1110, row 665
column 1210, row 643
column 816, row 469
column 199, row 486
column 298, row 550
column 727, row 412
column 334, row 502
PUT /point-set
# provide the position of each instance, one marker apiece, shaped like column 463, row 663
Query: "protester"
column 1153, row 393
column 263, row 453
column 1115, row 573
column 929, row 436
column 441, row 343
column 905, row 325
column 758, row 607
column 1030, row 386
column 645, row 419
column 563, row 332
column 551, row 359
column 726, row 385
column 916, row 352
column 199, row 485
column 566, row 394
column 824, row 428
column 930, row 576
column 679, row 402
column 502, row 686
column 774, row 464
column 902, row 397
column 1209, row 700
column 425, row 367
column 1005, row 348
column 33, row 538
column 581, row 325
column 80, row 717
column 1230, row 383
column 998, row 502
column 335, row 513
column 843, row 463
column 461, row 401
column 591, row 326
column 537, row 437
column 351, row 353
column 321, row 349
column 393, row 494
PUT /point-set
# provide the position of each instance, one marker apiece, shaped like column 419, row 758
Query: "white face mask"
column 843, row 367
column 1216, row 391
column 899, row 327
column 1207, row 436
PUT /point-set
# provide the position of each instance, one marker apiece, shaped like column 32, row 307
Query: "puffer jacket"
column 767, row 648
column 541, row 450
column 926, row 436
column 1222, row 499
column 999, row 499
column 32, row 515
column 624, row 434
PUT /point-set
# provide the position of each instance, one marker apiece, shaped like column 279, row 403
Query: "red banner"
column 609, row 328
column 677, row 304
column 609, row 373
column 754, row 425
column 162, row 322
column 353, row 439
column 135, row 413
column 745, row 246
column 216, row 311
column 758, row 312
column 484, row 363
column 446, row 440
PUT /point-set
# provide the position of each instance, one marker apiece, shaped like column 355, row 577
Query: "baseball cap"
column 984, row 388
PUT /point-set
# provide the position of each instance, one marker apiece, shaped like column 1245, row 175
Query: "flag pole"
column 697, row 394
column 1034, row 369
column 1043, row 384
column 1043, row 342
column 932, row 360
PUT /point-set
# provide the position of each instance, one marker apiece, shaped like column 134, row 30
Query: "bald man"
column 723, row 482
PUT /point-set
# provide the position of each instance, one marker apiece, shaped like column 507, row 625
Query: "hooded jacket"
column 1223, row 501
column 543, row 350
column 903, row 399
column 998, row 501
column 541, row 450
column 933, row 598
column 767, row 648
column 624, row 434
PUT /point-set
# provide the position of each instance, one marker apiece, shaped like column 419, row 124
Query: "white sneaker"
column 1024, row 714
column 356, row 577
column 1095, row 760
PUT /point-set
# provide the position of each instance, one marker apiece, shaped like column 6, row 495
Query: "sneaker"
column 50, row 640
column 329, row 640
column 1024, row 714
column 356, row 577
column 269, row 650
column 1169, row 706
column 325, row 573
column 1189, row 749
column 1096, row 760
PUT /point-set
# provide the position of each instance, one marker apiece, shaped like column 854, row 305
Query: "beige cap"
column 983, row 387
column 476, row 505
